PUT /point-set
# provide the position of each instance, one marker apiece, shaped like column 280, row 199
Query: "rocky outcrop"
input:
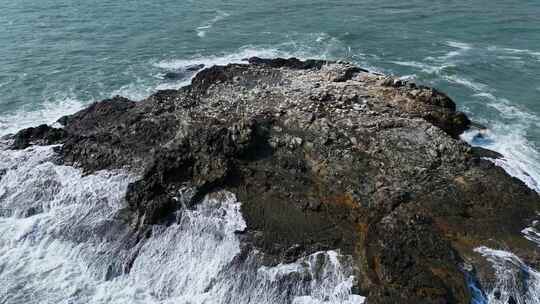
column 322, row 155
column 40, row 135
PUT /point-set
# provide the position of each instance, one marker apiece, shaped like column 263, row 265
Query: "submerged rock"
column 39, row 135
column 183, row 73
column 323, row 156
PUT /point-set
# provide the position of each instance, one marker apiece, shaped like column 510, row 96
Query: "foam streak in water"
column 201, row 30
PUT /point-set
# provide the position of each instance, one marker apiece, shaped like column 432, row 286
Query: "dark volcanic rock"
column 183, row 73
column 2, row 173
column 322, row 155
column 40, row 135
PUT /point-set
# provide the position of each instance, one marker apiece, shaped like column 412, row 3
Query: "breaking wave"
column 63, row 239
column 516, row 282
column 510, row 138
column 47, row 113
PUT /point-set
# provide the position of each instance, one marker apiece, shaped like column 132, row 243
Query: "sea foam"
column 63, row 240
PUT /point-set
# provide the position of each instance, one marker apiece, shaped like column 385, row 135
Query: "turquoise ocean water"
column 56, row 56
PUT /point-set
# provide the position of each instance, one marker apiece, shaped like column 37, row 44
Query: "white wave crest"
column 515, row 281
column 519, row 158
column 509, row 138
column 46, row 113
column 63, row 240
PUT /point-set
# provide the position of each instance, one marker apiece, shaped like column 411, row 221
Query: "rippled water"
column 58, row 56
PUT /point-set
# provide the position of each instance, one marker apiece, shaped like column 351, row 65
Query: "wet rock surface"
column 39, row 135
column 322, row 155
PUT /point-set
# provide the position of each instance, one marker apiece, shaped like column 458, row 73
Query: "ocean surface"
column 56, row 56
